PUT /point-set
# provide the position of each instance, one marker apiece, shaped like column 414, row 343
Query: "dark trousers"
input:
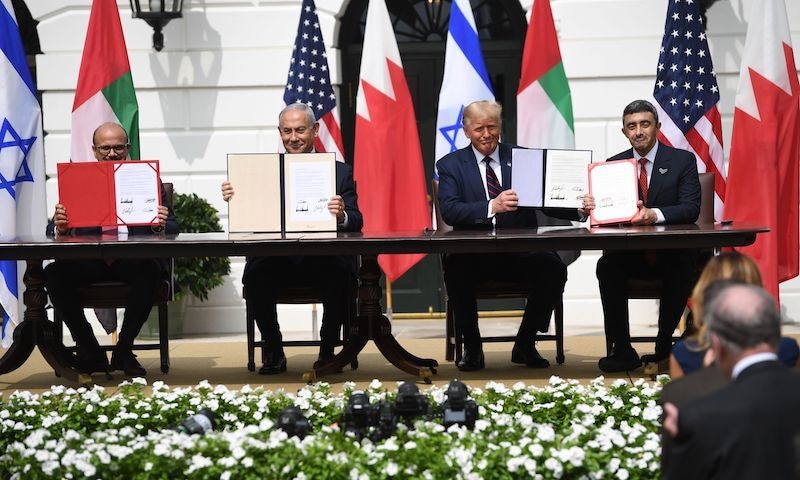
column 63, row 277
column 328, row 275
column 677, row 270
column 543, row 274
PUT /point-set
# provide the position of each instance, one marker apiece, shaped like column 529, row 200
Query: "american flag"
column 687, row 95
column 309, row 81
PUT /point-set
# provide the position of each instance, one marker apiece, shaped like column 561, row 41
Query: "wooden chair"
column 641, row 288
column 492, row 290
column 115, row 294
column 297, row 294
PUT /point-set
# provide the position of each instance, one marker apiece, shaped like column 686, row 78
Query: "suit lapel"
column 505, row 165
column 477, row 189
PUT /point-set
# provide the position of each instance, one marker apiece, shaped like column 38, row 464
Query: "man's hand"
column 227, row 190
column 336, row 207
column 60, row 220
column 671, row 419
column 588, row 205
column 507, row 201
column 644, row 216
column 163, row 214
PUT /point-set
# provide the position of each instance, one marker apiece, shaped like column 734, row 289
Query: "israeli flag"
column 465, row 79
column 22, row 193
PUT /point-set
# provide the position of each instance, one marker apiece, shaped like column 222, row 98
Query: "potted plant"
column 195, row 276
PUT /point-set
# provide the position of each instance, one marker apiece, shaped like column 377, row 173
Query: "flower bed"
column 564, row 430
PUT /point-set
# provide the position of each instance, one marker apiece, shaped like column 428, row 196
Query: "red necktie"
column 492, row 184
column 643, row 179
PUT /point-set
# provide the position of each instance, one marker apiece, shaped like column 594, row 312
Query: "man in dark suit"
column 750, row 428
column 669, row 190
column 474, row 193
column 63, row 277
column 333, row 276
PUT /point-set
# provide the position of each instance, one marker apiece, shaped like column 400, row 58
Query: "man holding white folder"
column 332, row 275
column 669, row 192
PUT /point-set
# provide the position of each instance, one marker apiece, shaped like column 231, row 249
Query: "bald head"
column 742, row 316
column 110, row 142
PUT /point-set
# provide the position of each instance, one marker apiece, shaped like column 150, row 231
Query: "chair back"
column 441, row 225
column 169, row 190
column 706, row 198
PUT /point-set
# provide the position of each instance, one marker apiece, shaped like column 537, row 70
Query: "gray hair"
column 639, row 106
column 312, row 119
column 741, row 315
column 482, row 108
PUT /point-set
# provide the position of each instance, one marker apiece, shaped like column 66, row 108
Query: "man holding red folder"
column 63, row 277
column 669, row 192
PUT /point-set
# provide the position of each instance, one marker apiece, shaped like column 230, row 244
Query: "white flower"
column 622, row 474
column 391, row 469
column 554, row 466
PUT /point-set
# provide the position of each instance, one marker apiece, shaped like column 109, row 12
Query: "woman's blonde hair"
column 726, row 266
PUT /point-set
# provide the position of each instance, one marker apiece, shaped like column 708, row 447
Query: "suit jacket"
column 462, row 193
column 674, row 185
column 749, row 429
column 346, row 187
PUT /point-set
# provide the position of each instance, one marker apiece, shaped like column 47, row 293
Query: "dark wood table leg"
column 36, row 330
column 373, row 325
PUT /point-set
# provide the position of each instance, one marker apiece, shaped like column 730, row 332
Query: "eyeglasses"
column 105, row 149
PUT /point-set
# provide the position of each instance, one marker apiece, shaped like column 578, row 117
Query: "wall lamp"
column 157, row 14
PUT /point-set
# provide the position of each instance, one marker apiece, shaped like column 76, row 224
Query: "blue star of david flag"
column 465, row 79
column 22, row 193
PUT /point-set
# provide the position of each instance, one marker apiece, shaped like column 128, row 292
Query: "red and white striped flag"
column 309, row 81
column 687, row 96
column 388, row 159
column 765, row 145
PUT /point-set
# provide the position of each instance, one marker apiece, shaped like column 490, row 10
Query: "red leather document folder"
column 104, row 193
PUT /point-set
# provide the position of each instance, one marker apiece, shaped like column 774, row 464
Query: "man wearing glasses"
column 63, row 277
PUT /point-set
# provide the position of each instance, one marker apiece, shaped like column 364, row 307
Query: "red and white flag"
column 388, row 159
column 763, row 168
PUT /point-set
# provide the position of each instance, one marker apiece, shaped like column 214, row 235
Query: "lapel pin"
column 662, row 171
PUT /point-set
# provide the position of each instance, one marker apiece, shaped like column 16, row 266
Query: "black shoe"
column 528, row 356
column 124, row 359
column 91, row 361
column 622, row 361
column 276, row 363
column 655, row 357
column 471, row 361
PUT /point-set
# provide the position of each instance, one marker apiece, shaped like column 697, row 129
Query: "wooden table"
column 35, row 330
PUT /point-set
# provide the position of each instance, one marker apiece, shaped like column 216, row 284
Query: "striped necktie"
column 492, row 184
column 643, row 179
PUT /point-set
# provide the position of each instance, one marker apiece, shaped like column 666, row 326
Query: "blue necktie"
column 492, row 184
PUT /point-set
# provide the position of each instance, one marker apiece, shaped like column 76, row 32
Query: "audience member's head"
column 741, row 319
column 726, row 266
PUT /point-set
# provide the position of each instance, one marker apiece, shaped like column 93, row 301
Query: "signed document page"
column 310, row 182
column 256, row 203
column 137, row 192
column 566, row 178
column 613, row 185
column 110, row 193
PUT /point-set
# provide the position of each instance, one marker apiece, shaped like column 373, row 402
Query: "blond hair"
column 726, row 266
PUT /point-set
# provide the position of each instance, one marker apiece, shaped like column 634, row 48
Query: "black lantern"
column 157, row 14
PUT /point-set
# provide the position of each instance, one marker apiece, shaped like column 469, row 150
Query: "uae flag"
column 544, row 102
column 763, row 166
column 105, row 88
column 388, row 160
